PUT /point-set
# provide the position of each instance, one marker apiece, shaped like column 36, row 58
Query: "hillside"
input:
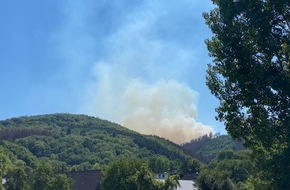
column 219, row 144
column 207, row 147
column 80, row 142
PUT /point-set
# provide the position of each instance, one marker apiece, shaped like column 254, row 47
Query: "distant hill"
column 80, row 142
column 207, row 147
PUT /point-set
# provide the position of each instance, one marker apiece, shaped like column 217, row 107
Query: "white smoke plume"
column 140, row 82
column 165, row 108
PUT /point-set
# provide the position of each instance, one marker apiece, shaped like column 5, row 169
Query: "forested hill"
column 81, row 142
column 207, row 147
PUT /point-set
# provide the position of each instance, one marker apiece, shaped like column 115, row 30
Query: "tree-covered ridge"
column 45, row 147
column 11, row 134
column 207, row 147
column 82, row 142
column 219, row 144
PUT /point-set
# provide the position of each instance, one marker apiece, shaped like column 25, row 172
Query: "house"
column 186, row 185
column 186, row 182
column 88, row 180
column 189, row 176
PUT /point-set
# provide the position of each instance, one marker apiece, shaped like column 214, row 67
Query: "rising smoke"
column 164, row 108
column 139, row 81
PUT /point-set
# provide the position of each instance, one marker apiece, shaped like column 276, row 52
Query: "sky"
column 141, row 64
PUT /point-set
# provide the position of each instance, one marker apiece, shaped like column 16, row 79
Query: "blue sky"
column 118, row 60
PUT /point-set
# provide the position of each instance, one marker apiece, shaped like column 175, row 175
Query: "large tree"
column 129, row 175
column 250, row 75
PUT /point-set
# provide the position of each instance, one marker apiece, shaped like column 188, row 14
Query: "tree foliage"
column 159, row 164
column 230, row 170
column 134, row 175
column 80, row 141
column 129, row 175
column 250, row 75
column 207, row 147
column 45, row 147
column 5, row 162
column 171, row 183
column 43, row 176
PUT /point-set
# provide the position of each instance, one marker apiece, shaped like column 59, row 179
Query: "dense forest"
column 207, row 147
column 80, row 141
column 60, row 143
column 51, row 145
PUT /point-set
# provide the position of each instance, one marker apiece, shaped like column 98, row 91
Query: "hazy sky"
column 125, row 61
